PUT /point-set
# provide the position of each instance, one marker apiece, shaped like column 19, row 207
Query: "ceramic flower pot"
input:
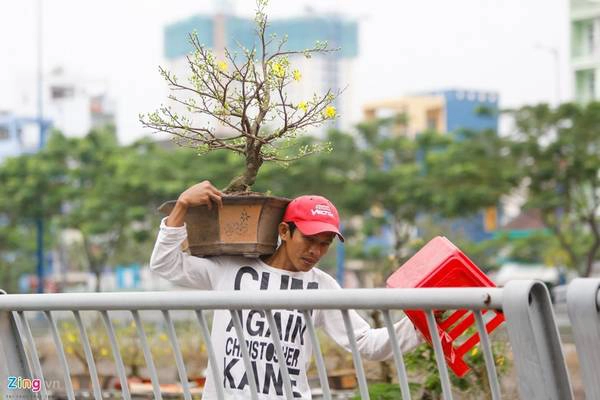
column 245, row 225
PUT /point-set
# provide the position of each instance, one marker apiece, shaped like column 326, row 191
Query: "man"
column 309, row 226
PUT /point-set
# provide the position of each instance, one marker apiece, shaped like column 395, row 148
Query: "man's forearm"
column 177, row 215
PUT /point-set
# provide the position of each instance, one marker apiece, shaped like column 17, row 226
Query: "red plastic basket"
column 441, row 264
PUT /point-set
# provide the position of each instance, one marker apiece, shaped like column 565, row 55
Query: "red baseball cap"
column 312, row 215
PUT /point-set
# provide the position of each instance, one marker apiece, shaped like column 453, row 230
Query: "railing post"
column 13, row 361
column 583, row 304
column 539, row 359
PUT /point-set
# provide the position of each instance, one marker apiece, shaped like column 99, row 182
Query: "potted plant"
column 240, row 103
column 73, row 347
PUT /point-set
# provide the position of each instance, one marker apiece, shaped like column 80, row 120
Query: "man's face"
column 304, row 252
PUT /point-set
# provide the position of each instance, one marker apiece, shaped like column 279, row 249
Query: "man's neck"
column 279, row 260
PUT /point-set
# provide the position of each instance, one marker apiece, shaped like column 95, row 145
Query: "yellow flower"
column 70, row 350
column 303, row 106
column 329, row 112
column 297, row 75
column 474, row 352
column 222, row 66
column 163, row 337
column 278, row 70
column 103, row 352
column 71, row 338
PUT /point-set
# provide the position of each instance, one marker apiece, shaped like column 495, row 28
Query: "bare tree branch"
column 244, row 92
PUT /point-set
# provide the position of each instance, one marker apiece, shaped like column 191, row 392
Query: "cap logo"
column 321, row 209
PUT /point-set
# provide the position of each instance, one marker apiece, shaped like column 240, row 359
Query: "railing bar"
column 439, row 355
column 367, row 299
column 24, row 342
column 287, row 383
column 88, row 356
column 488, row 356
column 237, row 323
column 212, row 359
column 34, row 354
column 116, row 354
column 582, row 303
column 318, row 356
column 362, row 380
column 178, row 358
column 398, row 358
column 147, row 354
column 61, row 355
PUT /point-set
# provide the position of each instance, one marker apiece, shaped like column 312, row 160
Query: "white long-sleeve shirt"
column 240, row 273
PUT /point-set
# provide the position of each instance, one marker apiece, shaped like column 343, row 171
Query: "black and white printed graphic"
column 290, row 324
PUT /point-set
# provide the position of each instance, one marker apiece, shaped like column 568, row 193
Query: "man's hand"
column 203, row 193
column 200, row 194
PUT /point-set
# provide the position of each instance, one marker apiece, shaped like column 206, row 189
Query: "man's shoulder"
column 234, row 261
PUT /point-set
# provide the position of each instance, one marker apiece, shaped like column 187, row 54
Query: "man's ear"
column 284, row 231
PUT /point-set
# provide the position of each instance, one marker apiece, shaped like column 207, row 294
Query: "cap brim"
column 315, row 227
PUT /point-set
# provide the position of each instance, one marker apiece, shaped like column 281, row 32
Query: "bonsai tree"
column 246, row 93
column 73, row 347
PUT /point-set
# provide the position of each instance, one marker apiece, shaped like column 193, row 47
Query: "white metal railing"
column 583, row 305
column 531, row 327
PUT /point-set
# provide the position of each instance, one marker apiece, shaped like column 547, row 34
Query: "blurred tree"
column 32, row 187
column 390, row 180
column 559, row 153
column 109, row 193
column 536, row 248
column 466, row 173
column 443, row 176
column 106, row 191
column 473, row 171
column 17, row 255
column 336, row 175
column 118, row 188
column 397, row 188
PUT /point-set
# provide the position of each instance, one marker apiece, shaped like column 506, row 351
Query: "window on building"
column 61, row 92
column 595, row 41
column 431, row 124
column 591, row 37
column 4, row 133
column 585, row 85
column 433, row 119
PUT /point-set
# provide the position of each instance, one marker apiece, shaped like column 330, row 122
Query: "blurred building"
column 71, row 104
column 445, row 111
column 333, row 71
column 20, row 135
column 585, row 48
column 77, row 104
column 11, row 143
